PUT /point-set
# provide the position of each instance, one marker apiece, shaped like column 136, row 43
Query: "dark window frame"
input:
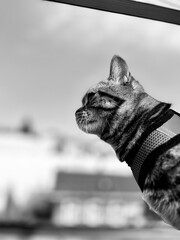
column 128, row 7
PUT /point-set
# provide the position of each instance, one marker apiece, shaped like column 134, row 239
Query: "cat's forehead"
column 104, row 86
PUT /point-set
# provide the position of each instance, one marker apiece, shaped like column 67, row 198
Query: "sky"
column 52, row 53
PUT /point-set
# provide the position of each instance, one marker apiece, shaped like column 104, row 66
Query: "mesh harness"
column 156, row 143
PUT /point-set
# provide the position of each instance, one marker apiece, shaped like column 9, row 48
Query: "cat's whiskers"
column 81, row 122
column 86, row 126
column 79, row 114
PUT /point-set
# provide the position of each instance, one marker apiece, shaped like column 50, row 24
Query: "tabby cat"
column 121, row 113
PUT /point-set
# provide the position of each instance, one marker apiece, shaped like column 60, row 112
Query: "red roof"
column 95, row 182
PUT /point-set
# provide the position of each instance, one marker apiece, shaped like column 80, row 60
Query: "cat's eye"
column 107, row 103
column 110, row 100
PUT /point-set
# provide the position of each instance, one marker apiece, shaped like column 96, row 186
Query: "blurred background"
column 56, row 182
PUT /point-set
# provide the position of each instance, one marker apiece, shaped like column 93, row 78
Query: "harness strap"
column 154, row 140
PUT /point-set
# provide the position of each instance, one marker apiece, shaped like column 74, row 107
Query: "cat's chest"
column 166, row 171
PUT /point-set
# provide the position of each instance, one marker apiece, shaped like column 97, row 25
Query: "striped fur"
column 120, row 112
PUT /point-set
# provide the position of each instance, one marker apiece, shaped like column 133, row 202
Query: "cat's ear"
column 118, row 70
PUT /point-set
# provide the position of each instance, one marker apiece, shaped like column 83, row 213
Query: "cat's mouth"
column 86, row 122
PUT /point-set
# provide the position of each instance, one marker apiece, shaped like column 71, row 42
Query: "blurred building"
column 96, row 200
column 90, row 189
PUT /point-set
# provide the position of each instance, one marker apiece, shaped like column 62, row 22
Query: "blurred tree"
column 39, row 208
column 27, row 126
column 43, row 210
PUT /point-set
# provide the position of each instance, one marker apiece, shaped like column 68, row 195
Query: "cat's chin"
column 91, row 127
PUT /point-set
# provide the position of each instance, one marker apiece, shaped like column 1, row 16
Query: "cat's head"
column 109, row 101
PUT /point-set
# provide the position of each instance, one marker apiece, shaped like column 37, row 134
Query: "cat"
column 121, row 113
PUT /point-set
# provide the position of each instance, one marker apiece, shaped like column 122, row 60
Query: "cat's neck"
column 147, row 115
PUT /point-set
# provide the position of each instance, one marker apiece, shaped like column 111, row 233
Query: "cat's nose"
column 81, row 112
column 78, row 111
